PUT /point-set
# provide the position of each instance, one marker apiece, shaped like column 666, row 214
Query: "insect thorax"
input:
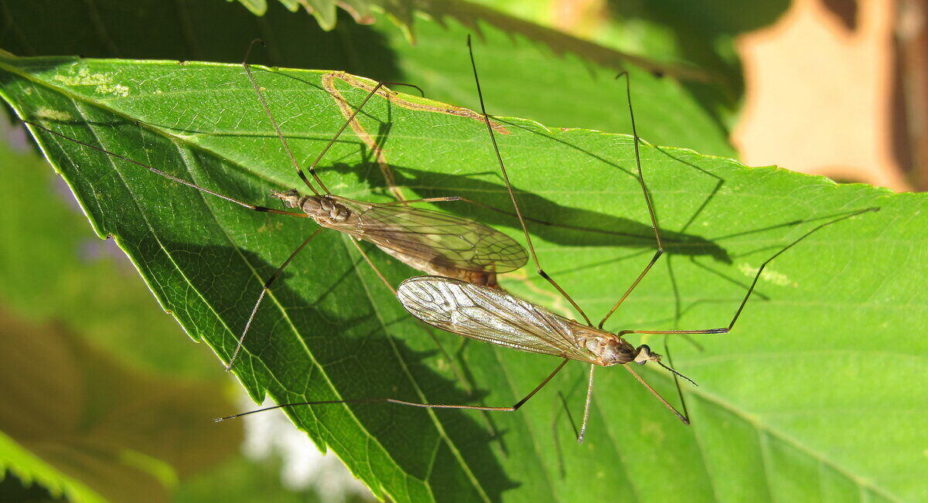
column 607, row 349
column 325, row 210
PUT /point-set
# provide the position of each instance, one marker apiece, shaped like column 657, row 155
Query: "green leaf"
column 56, row 271
column 81, row 424
column 525, row 79
column 26, row 466
column 473, row 15
column 102, row 393
column 783, row 401
column 53, row 270
column 529, row 68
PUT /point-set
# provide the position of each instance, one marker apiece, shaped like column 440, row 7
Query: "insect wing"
column 490, row 315
column 436, row 238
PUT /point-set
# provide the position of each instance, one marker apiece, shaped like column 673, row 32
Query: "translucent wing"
column 435, row 239
column 490, row 315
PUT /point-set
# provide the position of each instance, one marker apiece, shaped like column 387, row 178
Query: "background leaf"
column 781, row 400
column 53, row 272
column 102, row 396
column 529, row 74
column 104, row 429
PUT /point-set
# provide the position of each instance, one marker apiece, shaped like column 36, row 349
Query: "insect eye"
column 644, row 355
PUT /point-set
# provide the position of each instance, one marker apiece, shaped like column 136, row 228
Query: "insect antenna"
column 164, row 174
column 677, row 374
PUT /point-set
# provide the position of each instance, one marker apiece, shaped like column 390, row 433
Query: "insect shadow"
column 573, row 226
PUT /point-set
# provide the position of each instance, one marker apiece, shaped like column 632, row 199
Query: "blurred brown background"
column 860, row 65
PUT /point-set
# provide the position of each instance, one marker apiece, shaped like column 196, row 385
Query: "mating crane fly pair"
column 462, row 258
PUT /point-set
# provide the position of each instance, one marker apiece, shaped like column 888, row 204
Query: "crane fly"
column 493, row 315
column 430, row 241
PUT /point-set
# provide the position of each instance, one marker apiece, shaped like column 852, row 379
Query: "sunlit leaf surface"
column 812, row 396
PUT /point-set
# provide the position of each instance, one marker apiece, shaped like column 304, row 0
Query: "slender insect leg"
column 312, row 167
column 647, row 268
column 681, row 417
column 455, row 368
column 267, row 286
column 647, row 199
column 376, row 148
column 676, row 379
column 760, row 270
column 270, row 116
column 283, row 139
column 262, row 209
column 541, row 272
column 511, row 408
column 371, row 264
column 451, row 361
column 586, row 407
